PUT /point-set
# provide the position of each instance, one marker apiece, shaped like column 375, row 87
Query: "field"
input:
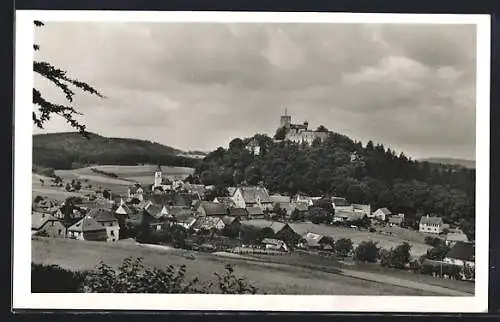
column 399, row 235
column 127, row 176
column 271, row 278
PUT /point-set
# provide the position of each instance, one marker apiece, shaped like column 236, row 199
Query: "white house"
column 431, row 224
column 453, row 237
column 381, row 214
column 254, row 196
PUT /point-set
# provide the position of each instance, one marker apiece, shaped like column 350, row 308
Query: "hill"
column 63, row 150
column 470, row 164
column 340, row 166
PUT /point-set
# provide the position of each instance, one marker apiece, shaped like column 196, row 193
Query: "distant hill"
column 63, row 150
column 470, row 164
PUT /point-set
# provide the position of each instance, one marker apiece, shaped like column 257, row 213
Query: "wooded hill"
column 63, row 150
column 339, row 166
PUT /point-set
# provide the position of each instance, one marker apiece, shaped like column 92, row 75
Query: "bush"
column 438, row 252
column 433, row 241
column 367, row 251
column 400, row 256
column 343, row 247
column 54, row 279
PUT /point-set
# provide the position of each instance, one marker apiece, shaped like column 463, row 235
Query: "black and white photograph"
column 322, row 156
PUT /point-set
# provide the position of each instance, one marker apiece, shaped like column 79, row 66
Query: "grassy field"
column 127, row 176
column 270, row 278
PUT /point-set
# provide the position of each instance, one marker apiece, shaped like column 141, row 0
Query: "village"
column 250, row 220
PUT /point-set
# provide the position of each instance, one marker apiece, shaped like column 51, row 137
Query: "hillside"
column 61, row 150
column 470, row 164
column 366, row 174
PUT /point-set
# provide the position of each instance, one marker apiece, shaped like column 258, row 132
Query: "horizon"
column 195, row 87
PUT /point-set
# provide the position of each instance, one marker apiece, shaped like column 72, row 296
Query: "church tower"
column 285, row 120
column 158, row 177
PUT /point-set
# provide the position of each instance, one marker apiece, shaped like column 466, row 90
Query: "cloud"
column 198, row 85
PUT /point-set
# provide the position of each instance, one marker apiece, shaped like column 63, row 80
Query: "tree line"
column 339, row 166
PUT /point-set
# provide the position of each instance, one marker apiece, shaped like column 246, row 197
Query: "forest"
column 340, row 166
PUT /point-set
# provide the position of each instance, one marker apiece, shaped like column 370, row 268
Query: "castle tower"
column 285, row 120
column 158, row 177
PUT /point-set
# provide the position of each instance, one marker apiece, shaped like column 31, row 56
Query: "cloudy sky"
column 197, row 86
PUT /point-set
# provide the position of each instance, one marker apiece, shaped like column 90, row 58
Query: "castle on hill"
column 300, row 133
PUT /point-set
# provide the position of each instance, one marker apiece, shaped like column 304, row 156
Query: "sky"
column 196, row 86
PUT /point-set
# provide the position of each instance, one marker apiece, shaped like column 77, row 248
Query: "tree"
column 400, row 256
column 106, row 194
column 77, row 186
column 68, row 187
column 61, row 80
column 433, row 241
column 318, row 215
column 280, row 133
column 367, row 251
column 228, row 283
column 321, row 128
column 438, row 252
column 343, row 247
column 38, row 199
column 265, row 232
column 236, row 144
column 297, row 215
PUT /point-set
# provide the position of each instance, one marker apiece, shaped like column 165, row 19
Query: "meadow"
column 271, row 278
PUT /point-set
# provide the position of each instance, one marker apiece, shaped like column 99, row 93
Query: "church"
column 300, row 133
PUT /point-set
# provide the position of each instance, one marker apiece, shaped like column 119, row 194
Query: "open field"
column 271, row 278
column 357, row 236
column 144, row 173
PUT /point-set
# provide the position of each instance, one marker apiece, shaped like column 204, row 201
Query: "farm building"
column 238, row 212
column 396, row 220
column 347, row 216
column 207, row 223
column 366, row 209
column 431, row 224
column 232, row 223
column 107, row 220
column 381, row 214
column 254, row 196
column 341, row 204
column 454, row 237
column 227, row 201
column 88, row 229
column 207, row 208
column 46, row 224
column 275, row 244
column 316, row 241
column 254, row 212
column 460, row 254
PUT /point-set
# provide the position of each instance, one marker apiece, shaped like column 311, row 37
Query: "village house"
column 309, row 201
column 431, row 224
column 366, row 209
column 381, row 214
column 454, row 237
column 396, row 220
column 343, row 216
column 154, row 217
column 227, row 201
column 238, row 212
column 274, row 244
column 184, row 219
column 46, row 224
column 231, row 223
column 315, row 241
column 107, row 220
column 461, row 254
column 136, row 192
column 207, row 223
column 254, row 196
column 207, row 208
column 254, row 212
column 341, row 204
column 88, row 229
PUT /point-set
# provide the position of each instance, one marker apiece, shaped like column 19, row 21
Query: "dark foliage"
column 378, row 176
column 343, row 247
column 367, row 251
column 54, row 279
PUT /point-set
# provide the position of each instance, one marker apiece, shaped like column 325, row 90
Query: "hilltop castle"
column 299, row 132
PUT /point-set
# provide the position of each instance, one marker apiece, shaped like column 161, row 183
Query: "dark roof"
column 238, row 212
column 39, row 219
column 253, row 211
column 279, row 199
column 338, row 201
column 87, row 224
column 101, row 215
column 431, row 220
column 169, row 199
column 228, row 220
column 301, row 206
column 227, row 201
column 251, row 194
column 154, row 210
column 396, row 220
column 213, row 208
column 463, row 251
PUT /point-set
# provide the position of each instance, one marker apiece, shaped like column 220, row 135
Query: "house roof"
column 349, row 215
column 313, row 239
column 123, row 210
column 251, row 194
column 263, row 223
column 272, row 241
column 254, row 211
column 134, row 189
column 365, row 208
column 384, row 210
column 102, row 215
column 87, row 224
column 154, row 210
column 231, row 190
column 227, row 201
column 238, row 212
column 38, row 219
column 463, row 251
column 170, row 199
column 396, row 220
column 213, row 208
column 228, row 220
column 457, row 237
column 339, row 201
column 206, row 222
column 279, row 199
column 431, row 220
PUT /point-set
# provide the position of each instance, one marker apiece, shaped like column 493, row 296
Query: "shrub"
column 343, row 247
column 433, row 241
column 228, row 283
column 400, row 256
column 54, row 279
column 438, row 252
column 367, row 251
